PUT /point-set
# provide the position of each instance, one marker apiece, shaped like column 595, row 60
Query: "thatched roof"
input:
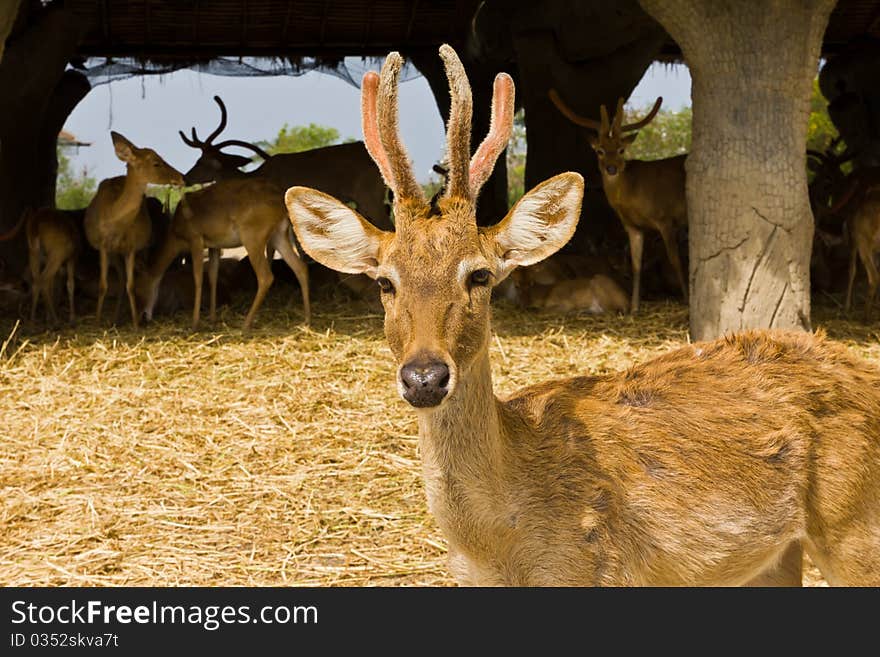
column 199, row 29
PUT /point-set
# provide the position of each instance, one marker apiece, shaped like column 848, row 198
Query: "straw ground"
column 281, row 457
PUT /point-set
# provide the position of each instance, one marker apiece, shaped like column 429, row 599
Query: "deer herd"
column 712, row 464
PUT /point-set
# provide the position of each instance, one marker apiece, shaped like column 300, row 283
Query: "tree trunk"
column 750, row 226
column 32, row 77
column 8, row 12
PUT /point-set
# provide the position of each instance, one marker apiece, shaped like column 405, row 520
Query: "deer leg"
column 47, row 283
column 788, row 572
column 853, row 264
column 213, row 272
column 118, row 267
column 102, row 283
column 129, row 287
column 668, row 235
column 197, row 250
column 257, row 255
column 636, row 244
column 300, row 270
column 34, row 262
column 70, row 288
column 867, row 257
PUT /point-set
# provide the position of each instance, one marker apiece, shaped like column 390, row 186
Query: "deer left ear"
column 539, row 224
column 629, row 138
column 334, row 234
column 124, row 148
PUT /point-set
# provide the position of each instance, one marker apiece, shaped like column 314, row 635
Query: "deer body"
column 245, row 212
column 117, row 220
column 704, row 466
column 344, row 171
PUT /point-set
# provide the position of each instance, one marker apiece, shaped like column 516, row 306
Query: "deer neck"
column 615, row 187
column 461, row 444
column 128, row 203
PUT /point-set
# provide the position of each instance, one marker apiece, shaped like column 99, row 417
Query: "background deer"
column 228, row 214
column 345, row 171
column 864, row 232
column 117, row 221
column 55, row 240
column 702, row 466
column 644, row 194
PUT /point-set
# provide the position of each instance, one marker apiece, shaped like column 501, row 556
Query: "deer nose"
column 425, row 383
column 611, row 169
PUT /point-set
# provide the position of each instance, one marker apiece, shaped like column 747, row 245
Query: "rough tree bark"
column 750, row 227
column 32, row 77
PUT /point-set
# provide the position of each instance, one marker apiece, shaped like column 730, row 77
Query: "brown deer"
column 230, row 213
column 344, row 171
column 55, row 240
column 644, row 194
column 117, row 220
column 702, row 466
column 864, row 233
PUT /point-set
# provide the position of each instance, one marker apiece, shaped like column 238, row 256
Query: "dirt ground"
column 283, row 457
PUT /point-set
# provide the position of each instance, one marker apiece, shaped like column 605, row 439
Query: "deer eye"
column 480, row 277
column 620, row 151
column 600, row 152
column 385, row 285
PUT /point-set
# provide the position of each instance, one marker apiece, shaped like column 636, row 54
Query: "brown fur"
column 55, row 240
column 708, row 465
column 117, row 220
column 246, row 212
column 644, row 194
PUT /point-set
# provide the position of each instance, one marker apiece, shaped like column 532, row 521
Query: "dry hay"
column 283, row 457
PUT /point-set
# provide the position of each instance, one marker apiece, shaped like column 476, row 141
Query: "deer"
column 117, row 220
column 345, row 170
column 864, row 233
column 703, row 466
column 644, row 194
column 246, row 212
column 55, row 240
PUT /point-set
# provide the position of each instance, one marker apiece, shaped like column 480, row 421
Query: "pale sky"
column 150, row 111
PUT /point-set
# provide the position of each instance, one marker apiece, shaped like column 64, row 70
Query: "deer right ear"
column 538, row 225
column 124, row 148
column 334, row 234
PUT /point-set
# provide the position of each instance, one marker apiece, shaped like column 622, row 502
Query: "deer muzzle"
column 424, row 382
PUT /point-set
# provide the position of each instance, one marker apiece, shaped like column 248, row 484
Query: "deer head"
column 145, row 163
column 612, row 138
column 436, row 271
column 214, row 164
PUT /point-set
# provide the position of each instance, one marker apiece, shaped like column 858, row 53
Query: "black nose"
column 424, row 382
column 611, row 169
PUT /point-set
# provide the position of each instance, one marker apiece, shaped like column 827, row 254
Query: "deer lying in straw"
column 644, row 194
column 231, row 213
column 117, row 220
column 702, row 466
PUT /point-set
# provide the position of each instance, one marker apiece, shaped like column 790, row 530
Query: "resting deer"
column 644, row 194
column 117, row 221
column 701, row 466
column 228, row 214
column 345, row 170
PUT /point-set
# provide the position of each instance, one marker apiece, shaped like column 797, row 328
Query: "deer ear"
column 629, row 138
column 594, row 141
column 334, row 234
column 237, row 161
column 124, row 148
column 539, row 224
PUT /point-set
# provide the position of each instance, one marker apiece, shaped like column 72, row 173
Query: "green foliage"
column 669, row 134
column 73, row 189
column 821, row 131
column 169, row 195
column 516, row 160
column 293, row 139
